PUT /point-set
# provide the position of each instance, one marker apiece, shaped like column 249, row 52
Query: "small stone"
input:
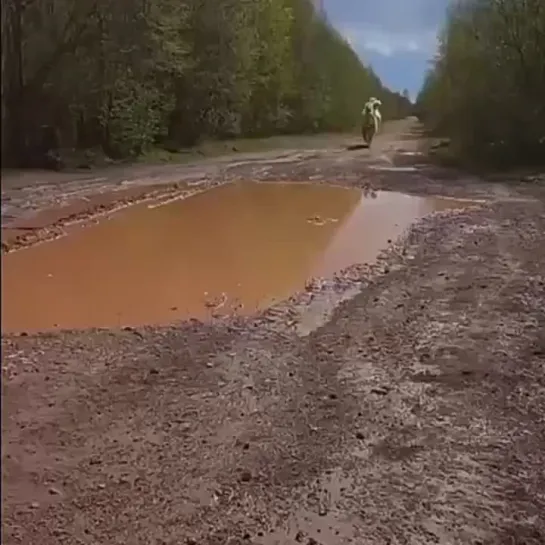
column 245, row 476
column 133, row 331
column 425, row 357
column 380, row 391
column 360, row 435
column 34, row 505
column 54, row 491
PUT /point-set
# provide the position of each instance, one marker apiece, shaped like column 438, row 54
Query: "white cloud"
column 390, row 42
column 389, row 27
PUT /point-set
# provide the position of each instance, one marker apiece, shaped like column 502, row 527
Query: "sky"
column 396, row 37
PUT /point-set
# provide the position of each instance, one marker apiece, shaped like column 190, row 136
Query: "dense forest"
column 122, row 75
column 486, row 87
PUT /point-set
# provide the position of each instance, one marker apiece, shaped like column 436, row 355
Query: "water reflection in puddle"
column 232, row 249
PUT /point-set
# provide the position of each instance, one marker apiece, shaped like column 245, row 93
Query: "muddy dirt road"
column 397, row 403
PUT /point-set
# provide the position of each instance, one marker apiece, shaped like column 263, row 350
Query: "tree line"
column 122, row 75
column 486, row 86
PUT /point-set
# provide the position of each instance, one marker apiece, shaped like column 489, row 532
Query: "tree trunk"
column 13, row 143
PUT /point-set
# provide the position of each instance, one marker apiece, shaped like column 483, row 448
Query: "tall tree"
column 126, row 74
column 486, row 85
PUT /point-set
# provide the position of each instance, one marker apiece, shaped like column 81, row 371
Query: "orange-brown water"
column 237, row 248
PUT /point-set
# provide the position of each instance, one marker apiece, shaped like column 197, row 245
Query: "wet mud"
column 396, row 402
column 25, row 226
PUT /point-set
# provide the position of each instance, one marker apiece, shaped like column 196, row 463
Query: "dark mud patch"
column 355, row 147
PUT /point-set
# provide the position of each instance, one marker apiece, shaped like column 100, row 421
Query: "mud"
column 25, row 224
column 411, row 414
column 233, row 249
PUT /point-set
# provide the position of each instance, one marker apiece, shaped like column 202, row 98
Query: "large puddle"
column 236, row 248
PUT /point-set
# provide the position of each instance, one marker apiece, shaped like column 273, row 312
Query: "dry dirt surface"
column 412, row 413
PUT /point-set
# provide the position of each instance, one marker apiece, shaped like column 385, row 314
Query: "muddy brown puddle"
column 235, row 248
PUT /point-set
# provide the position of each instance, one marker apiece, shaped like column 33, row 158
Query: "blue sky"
column 397, row 37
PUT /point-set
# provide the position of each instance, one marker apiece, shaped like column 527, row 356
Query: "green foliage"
column 125, row 74
column 486, row 87
column 134, row 117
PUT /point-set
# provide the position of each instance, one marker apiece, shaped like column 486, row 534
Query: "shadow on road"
column 353, row 147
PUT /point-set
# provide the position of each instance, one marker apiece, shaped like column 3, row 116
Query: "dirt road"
column 412, row 413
